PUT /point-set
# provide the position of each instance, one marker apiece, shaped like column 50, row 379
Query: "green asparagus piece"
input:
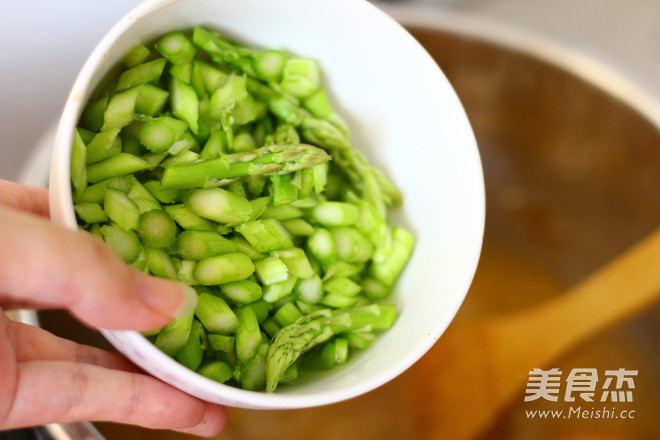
column 78, row 161
column 248, row 336
column 243, row 246
column 292, row 341
column 287, row 314
column 105, row 144
column 269, row 66
column 224, row 51
column 271, row 270
column 90, row 212
column 121, row 209
column 301, row 77
column 156, row 229
column 148, row 72
column 243, row 291
column 163, row 196
column 219, row 205
column 125, row 243
column 282, row 212
column 270, row 327
column 217, row 370
column 150, row 100
column 224, row 343
column 265, row 235
column 185, row 270
column 343, row 286
column 259, row 206
column 92, row 117
column 215, row 314
column 334, row 214
column 338, row 300
column 184, row 103
column 215, row 146
column 142, row 197
column 276, row 291
column 174, row 336
column 351, row 246
column 160, row 263
column 360, row 340
column 243, row 142
column 272, row 159
column 121, row 164
column 231, row 104
column 187, row 219
column 322, row 246
column 212, row 77
column 159, row 134
column 310, row 289
column 182, row 72
column 395, row 258
column 176, row 48
column 298, row 227
column 284, row 190
column 343, row 269
column 328, row 355
column 261, row 309
column 296, row 262
column 197, row 245
column 138, row 55
column 319, row 106
column 253, row 374
column 306, row 307
column 223, row 269
column 375, row 289
column 120, row 110
column 191, row 354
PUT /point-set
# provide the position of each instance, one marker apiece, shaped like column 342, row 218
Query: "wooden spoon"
column 477, row 368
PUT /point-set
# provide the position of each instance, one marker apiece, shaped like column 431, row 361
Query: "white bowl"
column 403, row 114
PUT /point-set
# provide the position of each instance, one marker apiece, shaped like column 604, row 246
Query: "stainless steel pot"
column 572, row 166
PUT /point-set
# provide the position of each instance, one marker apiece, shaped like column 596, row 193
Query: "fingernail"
column 173, row 299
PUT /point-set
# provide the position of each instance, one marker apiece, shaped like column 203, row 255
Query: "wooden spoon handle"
column 617, row 290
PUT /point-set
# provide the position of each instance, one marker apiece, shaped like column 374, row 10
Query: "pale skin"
column 47, row 379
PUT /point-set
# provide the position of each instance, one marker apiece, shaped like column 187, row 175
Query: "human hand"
column 47, row 379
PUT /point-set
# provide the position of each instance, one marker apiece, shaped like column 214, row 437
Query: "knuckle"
column 74, row 398
column 85, row 354
column 133, row 399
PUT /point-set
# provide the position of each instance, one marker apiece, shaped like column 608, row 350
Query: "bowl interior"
column 403, row 114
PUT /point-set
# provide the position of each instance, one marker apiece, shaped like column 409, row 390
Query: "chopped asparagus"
column 227, row 168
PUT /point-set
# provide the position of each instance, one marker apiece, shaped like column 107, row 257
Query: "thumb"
column 45, row 264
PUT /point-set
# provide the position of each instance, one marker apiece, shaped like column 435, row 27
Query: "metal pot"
column 571, row 159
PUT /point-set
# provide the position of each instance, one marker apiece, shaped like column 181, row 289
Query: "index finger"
column 45, row 264
column 26, row 198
